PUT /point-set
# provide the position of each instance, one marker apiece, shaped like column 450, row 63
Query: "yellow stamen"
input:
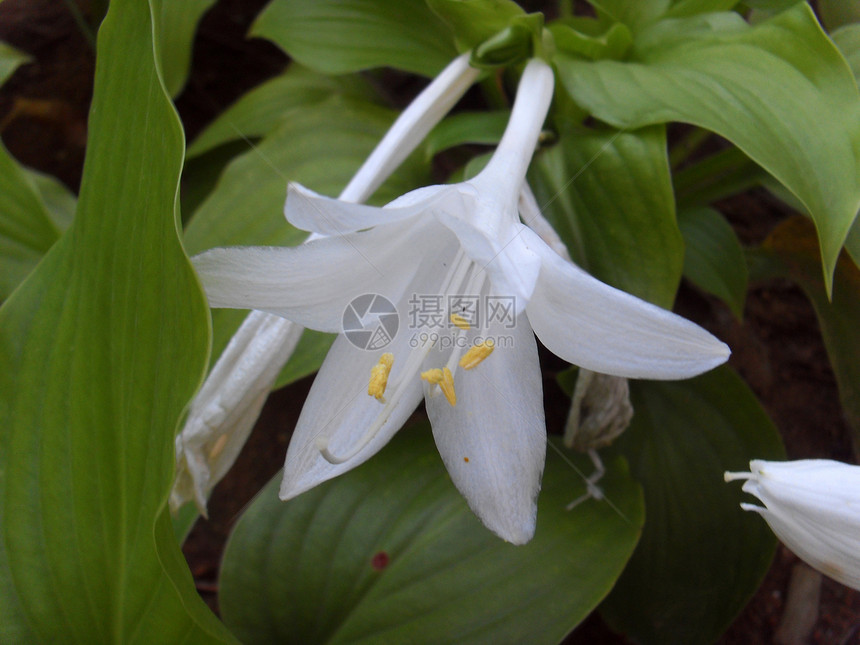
column 461, row 322
column 217, row 447
column 445, row 380
column 379, row 377
column 434, row 376
column 477, row 353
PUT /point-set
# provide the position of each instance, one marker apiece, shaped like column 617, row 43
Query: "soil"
column 777, row 348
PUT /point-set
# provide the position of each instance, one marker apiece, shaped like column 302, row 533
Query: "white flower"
column 484, row 403
column 225, row 409
column 813, row 506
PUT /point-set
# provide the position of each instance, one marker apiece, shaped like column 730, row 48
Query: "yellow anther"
column 477, row 353
column 379, row 377
column 461, row 322
column 434, row 376
column 444, row 379
column 447, row 386
column 218, row 447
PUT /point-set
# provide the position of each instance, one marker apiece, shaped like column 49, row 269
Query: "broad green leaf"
column 321, row 148
column 836, row 13
column 700, row 557
column 466, row 127
column 100, row 349
column 474, row 21
column 635, row 14
column 177, row 23
column 26, row 228
column 260, row 110
column 59, row 201
column 718, row 176
column 847, row 39
column 780, row 91
column 608, row 193
column 793, row 244
column 770, row 6
column 10, row 59
column 587, row 37
column 714, row 260
column 390, row 553
column 681, row 8
column 342, row 36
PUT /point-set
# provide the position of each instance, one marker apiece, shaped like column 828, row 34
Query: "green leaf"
column 26, row 228
column 635, row 14
column 581, row 37
column 10, row 59
column 608, row 193
column 177, row 22
column 780, row 91
column 474, row 21
column 320, row 148
column 700, row 557
column 100, row 349
column 59, row 201
column 793, row 244
column 466, row 127
column 716, row 177
column 837, row 13
column 342, row 36
column 714, row 260
column 260, row 110
column 390, row 553
column 683, row 8
column 847, row 39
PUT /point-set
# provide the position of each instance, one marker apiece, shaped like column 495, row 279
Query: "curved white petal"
column 311, row 211
column 313, row 283
column 493, row 442
column 507, row 257
column 603, row 329
column 339, row 409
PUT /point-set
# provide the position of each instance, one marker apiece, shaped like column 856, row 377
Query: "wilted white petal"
column 313, row 283
column 338, row 413
column 493, row 442
column 813, row 506
column 224, row 411
column 603, row 329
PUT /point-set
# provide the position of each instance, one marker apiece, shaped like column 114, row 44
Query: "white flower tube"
column 223, row 412
column 813, row 506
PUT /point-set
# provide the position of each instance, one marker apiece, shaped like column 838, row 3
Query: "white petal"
column 223, row 412
column 591, row 324
column 493, row 442
column 311, row 211
column 830, row 552
column 338, row 407
column 507, row 257
column 313, row 283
